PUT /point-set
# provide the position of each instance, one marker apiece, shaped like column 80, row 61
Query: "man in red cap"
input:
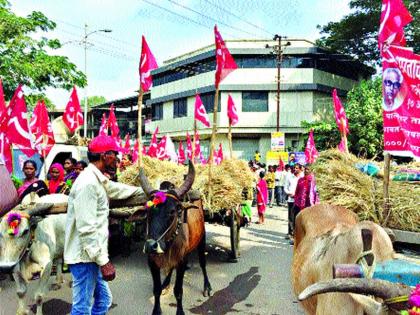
column 86, row 239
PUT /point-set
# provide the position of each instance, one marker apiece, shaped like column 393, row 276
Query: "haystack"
column 229, row 179
column 341, row 183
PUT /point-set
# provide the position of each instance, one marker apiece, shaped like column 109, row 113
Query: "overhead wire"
column 210, row 18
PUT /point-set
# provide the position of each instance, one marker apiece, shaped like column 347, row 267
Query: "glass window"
column 208, row 101
column 180, row 107
column 255, row 101
column 157, row 111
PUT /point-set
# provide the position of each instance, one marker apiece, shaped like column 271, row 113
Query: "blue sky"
column 171, row 28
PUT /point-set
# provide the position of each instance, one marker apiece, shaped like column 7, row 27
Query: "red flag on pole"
column 342, row 146
column 219, row 154
column 103, row 129
column 6, row 152
column 127, row 145
column 311, row 154
column 161, row 149
column 200, row 113
column 189, row 147
column 153, row 144
column 42, row 130
column 181, row 153
column 147, row 64
column 340, row 114
column 113, row 124
column 3, row 110
column 17, row 126
column 202, row 159
column 394, row 17
column 136, row 151
column 232, row 113
column 197, row 149
column 225, row 63
column 73, row 117
column 281, row 164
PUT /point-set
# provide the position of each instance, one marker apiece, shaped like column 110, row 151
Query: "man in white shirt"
column 86, row 239
column 289, row 189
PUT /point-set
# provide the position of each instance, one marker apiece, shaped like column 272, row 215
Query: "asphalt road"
column 259, row 283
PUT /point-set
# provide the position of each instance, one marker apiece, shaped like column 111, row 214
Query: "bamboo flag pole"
column 387, row 164
column 44, row 145
column 213, row 139
column 344, row 135
column 139, row 105
column 194, row 140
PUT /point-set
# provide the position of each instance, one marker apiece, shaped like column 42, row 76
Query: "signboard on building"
column 277, row 141
column 273, row 157
column 299, row 157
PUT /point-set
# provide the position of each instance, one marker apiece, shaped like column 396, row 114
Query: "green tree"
column 32, row 100
column 24, row 59
column 93, row 101
column 364, row 113
column 357, row 33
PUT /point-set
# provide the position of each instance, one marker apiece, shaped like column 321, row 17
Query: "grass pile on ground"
column 228, row 179
column 341, row 183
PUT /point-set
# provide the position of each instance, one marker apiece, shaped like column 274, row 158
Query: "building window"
column 157, row 111
column 255, row 101
column 208, row 101
column 180, row 107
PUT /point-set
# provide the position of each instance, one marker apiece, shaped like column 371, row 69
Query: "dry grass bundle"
column 340, row 183
column 228, row 179
column 76, row 139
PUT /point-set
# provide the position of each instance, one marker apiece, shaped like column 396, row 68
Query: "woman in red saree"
column 56, row 182
column 262, row 197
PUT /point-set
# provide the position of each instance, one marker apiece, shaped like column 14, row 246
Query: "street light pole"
column 85, row 45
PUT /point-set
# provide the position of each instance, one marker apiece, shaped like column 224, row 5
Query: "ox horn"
column 378, row 288
column 144, row 183
column 188, row 182
column 40, row 209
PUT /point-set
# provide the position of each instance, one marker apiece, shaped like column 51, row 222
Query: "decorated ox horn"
column 378, row 288
column 144, row 183
column 188, row 182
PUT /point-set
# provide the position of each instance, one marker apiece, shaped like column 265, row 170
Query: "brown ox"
column 326, row 235
column 174, row 231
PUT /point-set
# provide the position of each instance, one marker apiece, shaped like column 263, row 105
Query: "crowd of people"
column 292, row 184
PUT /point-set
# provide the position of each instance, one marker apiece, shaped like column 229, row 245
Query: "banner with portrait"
column 401, row 101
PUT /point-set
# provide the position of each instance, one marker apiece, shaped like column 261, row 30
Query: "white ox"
column 326, row 235
column 29, row 254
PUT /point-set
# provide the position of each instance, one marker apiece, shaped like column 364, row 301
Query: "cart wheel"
column 234, row 235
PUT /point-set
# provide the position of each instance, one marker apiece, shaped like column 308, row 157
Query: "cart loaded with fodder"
column 224, row 206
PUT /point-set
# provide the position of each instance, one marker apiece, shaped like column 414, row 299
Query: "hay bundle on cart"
column 228, row 179
column 341, row 183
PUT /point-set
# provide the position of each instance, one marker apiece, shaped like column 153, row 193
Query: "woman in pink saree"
column 262, row 197
column 31, row 183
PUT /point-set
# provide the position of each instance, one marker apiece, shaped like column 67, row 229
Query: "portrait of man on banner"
column 393, row 90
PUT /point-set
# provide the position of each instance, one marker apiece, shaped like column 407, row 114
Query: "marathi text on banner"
column 277, row 141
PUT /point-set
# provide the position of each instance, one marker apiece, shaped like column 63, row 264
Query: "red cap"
column 101, row 144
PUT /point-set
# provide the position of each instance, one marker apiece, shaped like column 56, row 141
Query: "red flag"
column 153, row 144
column 103, row 129
column 42, row 130
column 401, row 101
column 340, row 114
column 144, row 149
column 6, row 152
column 73, row 117
column 225, row 63
column 232, row 114
column 136, row 151
column 3, row 110
column 202, row 159
column 189, row 147
column 219, row 155
column 281, row 164
column 200, row 113
column 181, row 153
column 161, row 149
column 197, row 149
column 17, row 125
column 311, row 154
column 127, row 145
column 113, row 124
column 147, row 64
column 394, row 17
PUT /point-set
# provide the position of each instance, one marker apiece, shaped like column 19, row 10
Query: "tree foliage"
column 24, row 57
column 356, row 34
column 364, row 112
column 94, row 101
column 32, row 100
